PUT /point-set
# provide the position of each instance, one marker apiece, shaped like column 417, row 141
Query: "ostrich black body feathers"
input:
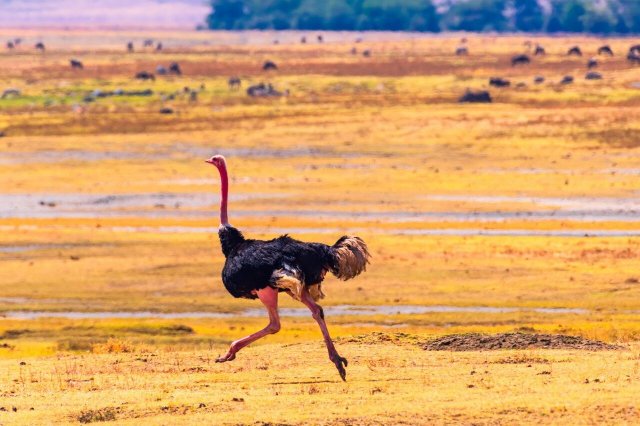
column 285, row 263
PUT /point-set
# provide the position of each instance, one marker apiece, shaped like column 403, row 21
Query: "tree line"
column 551, row 16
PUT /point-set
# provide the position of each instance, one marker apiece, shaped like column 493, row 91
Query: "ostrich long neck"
column 224, row 188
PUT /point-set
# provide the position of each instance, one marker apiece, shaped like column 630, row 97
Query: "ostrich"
column 262, row 269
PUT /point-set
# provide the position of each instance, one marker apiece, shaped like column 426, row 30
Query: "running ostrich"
column 262, row 269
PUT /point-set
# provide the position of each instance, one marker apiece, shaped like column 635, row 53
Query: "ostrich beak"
column 208, row 161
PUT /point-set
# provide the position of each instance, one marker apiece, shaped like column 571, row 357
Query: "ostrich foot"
column 230, row 356
column 339, row 361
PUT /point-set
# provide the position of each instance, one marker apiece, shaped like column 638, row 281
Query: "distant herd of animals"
column 267, row 90
column 483, row 96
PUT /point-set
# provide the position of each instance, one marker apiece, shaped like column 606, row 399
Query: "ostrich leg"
column 318, row 314
column 269, row 297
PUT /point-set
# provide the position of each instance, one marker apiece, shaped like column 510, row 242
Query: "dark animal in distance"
column 130, row 46
column 539, row 51
column 499, row 82
column 634, row 54
column 605, row 50
column 320, row 38
column 76, row 64
column 234, row 83
column 520, row 60
column 480, row 96
column 147, row 43
column 366, row 53
column 264, row 90
column 269, row 65
column 303, row 39
column 567, row 79
column 40, row 46
column 10, row 93
column 166, row 110
column 10, row 45
column 593, row 76
column 161, row 70
column 462, row 51
column 538, row 79
column 592, row 63
column 263, row 269
column 145, row 75
column 354, row 51
column 159, row 46
column 174, row 68
column 633, row 57
column 575, row 50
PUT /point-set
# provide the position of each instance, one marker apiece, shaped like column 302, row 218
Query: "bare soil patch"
column 485, row 342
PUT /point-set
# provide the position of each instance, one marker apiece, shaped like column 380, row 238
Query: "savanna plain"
column 516, row 216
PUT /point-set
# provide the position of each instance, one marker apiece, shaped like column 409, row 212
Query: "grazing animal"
column 480, row 96
column 592, row 75
column 592, row 63
column 567, row 79
column 499, row 82
column 262, row 269
column 10, row 92
column 147, row 43
column 161, row 70
column 174, row 68
column 462, row 51
column 17, row 41
column 76, row 64
column 320, row 38
column 635, row 49
column 303, row 39
column 159, row 46
column 354, row 51
column 366, row 53
column 538, row 79
column 633, row 57
column 130, row 47
column 166, row 110
column 234, row 83
column 605, row 50
column 264, row 90
column 10, row 45
column 520, row 60
column 145, row 75
column 539, row 51
column 40, row 46
column 269, row 65
column 575, row 50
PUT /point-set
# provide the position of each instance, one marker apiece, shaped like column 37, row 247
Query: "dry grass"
column 362, row 145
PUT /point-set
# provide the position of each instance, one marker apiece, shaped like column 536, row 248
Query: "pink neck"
column 224, row 187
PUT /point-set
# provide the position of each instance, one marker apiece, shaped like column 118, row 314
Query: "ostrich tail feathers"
column 350, row 257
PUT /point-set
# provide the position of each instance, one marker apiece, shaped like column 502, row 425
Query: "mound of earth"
column 488, row 342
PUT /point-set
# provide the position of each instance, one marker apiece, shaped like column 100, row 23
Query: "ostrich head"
column 217, row 160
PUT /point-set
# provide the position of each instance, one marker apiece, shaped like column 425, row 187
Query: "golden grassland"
column 361, row 145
